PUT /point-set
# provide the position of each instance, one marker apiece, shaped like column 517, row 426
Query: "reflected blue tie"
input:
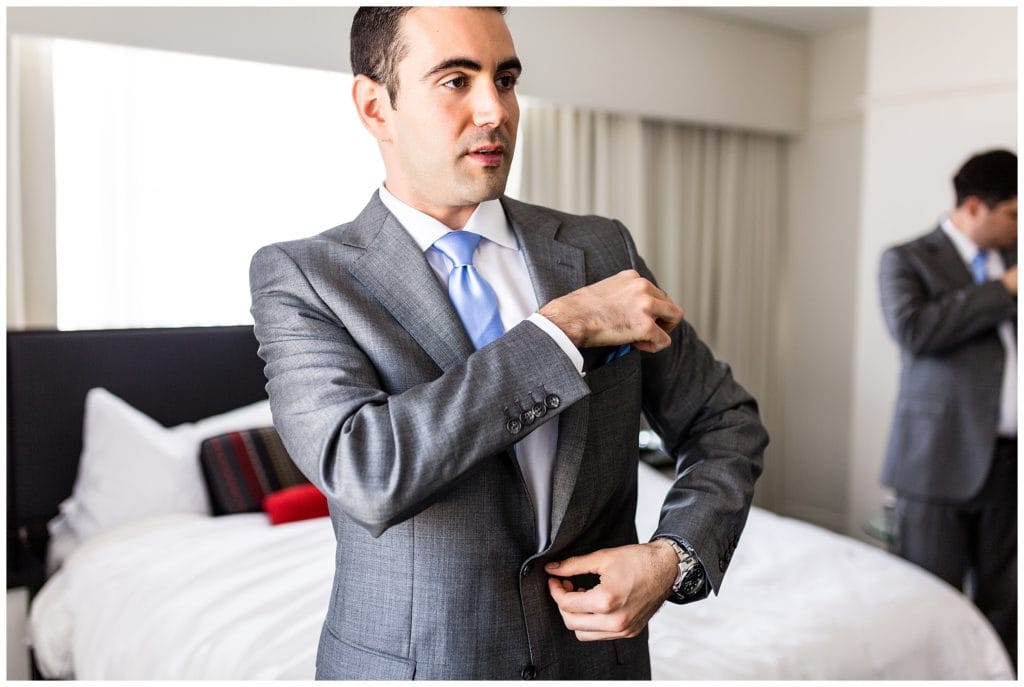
column 979, row 266
column 470, row 293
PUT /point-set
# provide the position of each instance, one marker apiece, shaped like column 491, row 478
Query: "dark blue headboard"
column 173, row 375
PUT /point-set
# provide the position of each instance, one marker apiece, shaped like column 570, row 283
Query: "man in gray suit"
column 463, row 376
column 950, row 301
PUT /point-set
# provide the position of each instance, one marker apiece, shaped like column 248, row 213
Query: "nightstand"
column 18, row 663
column 26, row 573
column 882, row 525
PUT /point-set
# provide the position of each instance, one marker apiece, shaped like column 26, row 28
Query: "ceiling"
column 803, row 20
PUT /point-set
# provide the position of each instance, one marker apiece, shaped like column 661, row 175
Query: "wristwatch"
column 689, row 583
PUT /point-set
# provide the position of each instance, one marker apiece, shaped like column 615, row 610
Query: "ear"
column 972, row 206
column 372, row 106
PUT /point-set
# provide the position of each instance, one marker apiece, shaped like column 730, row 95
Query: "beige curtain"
column 31, row 212
column 705, row 208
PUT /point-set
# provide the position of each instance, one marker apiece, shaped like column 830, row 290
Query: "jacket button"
column 514, row 426
column 529, row 673
column 539, row 410
column 552, row 401
column 527, row 417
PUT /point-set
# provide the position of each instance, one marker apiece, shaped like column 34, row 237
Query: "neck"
column 964, row 224
column 452, row 217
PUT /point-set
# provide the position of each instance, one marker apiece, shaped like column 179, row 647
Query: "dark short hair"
column 376, row 47
column 990, row 176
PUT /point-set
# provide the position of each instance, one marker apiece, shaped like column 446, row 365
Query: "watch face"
column 692, row 582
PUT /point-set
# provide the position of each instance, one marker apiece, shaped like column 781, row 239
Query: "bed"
column 189, row 595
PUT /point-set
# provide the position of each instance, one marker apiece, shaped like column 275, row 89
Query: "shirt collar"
column 488, row 220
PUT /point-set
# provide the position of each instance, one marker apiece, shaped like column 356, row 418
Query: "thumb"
column 575, row 565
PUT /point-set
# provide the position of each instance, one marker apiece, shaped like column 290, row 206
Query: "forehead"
column 432, row 34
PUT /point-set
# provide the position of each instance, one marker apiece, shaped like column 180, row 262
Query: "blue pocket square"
column 617, row 353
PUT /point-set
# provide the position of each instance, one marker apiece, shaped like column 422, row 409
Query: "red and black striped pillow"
column 241, row 468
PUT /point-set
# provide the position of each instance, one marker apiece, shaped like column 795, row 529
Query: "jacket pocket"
column 339, row 659
column 613, row 372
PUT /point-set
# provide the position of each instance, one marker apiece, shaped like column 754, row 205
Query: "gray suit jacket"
column 383, row 403
column 947, row 412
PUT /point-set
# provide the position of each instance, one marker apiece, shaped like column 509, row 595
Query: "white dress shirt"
column 499, row 261
column 995, row 268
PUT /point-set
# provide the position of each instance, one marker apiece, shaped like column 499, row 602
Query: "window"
column 173, row 169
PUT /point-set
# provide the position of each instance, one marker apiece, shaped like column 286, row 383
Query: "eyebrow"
column 472, row 65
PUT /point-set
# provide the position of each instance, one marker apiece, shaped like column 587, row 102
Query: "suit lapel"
column 555, row 269
column 947, row 259
column 394, row 270
column 1010, row 260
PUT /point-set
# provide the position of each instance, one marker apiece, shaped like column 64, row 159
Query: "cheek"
column 513, row 113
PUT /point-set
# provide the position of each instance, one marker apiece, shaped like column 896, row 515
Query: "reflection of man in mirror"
column 950, row 301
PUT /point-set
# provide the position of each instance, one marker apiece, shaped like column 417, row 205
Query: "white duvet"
column 195, row 597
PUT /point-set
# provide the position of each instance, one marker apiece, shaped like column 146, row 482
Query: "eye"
column 507, row 82
column 455, row 83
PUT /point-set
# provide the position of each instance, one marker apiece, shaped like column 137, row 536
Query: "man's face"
column 997, row 226
column 453, row 131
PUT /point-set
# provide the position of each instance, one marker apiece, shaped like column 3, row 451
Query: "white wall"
column 941, row 84
column 661, row 62
column 818, row 282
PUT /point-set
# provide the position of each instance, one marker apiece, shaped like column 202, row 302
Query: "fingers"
column 658, row 315
column 569, row 601
column 625, row 308
column 633, row 584
column 591, row 614
column 576, row 565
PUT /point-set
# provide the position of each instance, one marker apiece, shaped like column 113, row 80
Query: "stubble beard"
column 486, row 184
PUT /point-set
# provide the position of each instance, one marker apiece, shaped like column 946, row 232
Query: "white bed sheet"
column 194, row 597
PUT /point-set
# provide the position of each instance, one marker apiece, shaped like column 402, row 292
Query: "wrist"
column 557, row 315
column 667, row 564
column 690, row 583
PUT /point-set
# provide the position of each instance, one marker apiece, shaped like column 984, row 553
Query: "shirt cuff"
column 560, row 338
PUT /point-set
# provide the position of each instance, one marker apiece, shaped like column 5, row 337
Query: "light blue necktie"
column 472, row 296
column 979, row 266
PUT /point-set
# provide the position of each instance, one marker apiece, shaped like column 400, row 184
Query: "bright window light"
column 173, row 169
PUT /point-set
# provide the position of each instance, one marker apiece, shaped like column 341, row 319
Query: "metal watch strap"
column 691, row 583
column 686, row 562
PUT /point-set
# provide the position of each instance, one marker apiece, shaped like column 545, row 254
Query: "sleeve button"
column 552, row 401
column 514, row 426
column 539, row 409
column 527, row 417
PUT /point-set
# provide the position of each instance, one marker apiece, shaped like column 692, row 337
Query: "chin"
column 487, row 191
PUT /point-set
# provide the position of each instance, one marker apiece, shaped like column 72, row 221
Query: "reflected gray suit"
column 383, row 403
column 955, row 484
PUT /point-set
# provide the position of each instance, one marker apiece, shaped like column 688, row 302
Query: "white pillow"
column 133, row 467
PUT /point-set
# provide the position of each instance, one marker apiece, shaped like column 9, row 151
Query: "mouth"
column 488, row 156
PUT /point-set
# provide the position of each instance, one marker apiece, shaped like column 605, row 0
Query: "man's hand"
column 622, row 309
column 635, row 581
column 1010, row 280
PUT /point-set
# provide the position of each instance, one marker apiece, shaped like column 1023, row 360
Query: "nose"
column 489, row 109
